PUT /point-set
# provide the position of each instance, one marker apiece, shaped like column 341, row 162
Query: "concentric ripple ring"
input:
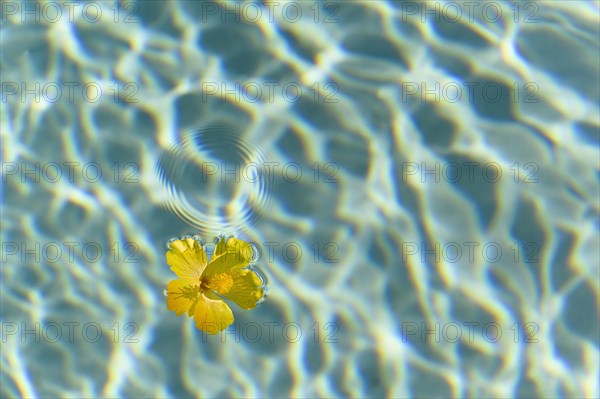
column 214, row 179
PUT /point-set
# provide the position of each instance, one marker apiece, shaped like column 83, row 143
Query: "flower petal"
column 245, row 291
column 212, row 314
column 182, row 295
column 228, row 257
column 186, row 258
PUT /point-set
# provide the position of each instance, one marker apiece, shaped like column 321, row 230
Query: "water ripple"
column 214, row 179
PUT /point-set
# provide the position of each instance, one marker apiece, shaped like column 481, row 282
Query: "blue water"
column 420, row 182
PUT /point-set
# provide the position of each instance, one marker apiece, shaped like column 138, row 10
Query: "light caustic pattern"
column 395, row 68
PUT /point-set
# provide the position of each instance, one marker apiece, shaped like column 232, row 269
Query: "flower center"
column 221, row 283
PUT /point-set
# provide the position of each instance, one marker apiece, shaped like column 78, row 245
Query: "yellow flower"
column 199, row 289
